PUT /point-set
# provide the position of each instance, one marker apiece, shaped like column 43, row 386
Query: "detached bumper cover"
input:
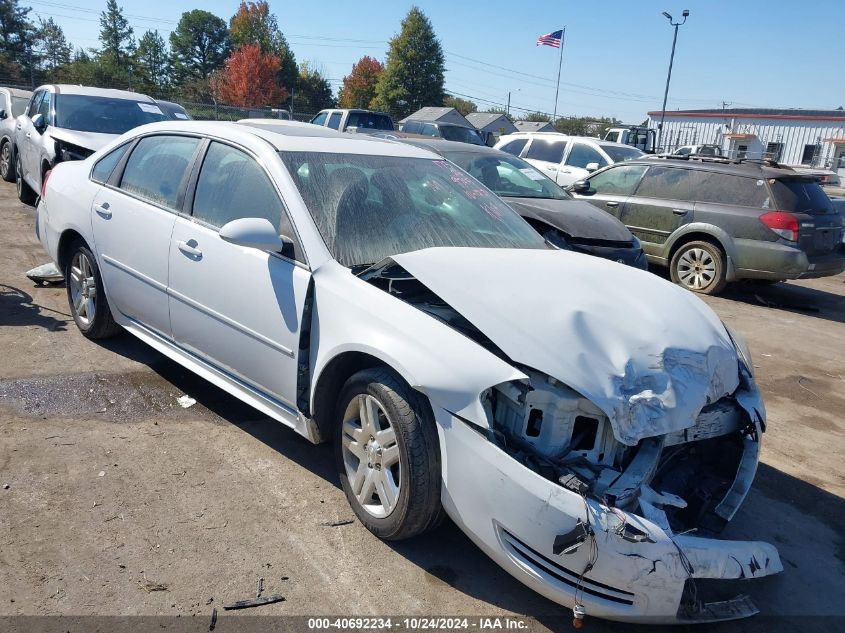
column 514, row 515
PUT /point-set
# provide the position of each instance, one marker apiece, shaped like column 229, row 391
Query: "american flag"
column 551, row 39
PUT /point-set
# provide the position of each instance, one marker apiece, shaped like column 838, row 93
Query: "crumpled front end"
column 624, row 532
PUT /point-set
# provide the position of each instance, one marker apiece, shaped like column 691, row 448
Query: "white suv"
column 563, row 158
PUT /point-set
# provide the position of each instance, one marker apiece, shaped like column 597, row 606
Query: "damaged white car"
column 590, row 426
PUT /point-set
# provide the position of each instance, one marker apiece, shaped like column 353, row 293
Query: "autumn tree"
column 414, row 75
column 152, row 63
column 199, row 45
column 359, row 86
column 249, row 78
column 116, row 38
column 254, row 24
column 464, row 106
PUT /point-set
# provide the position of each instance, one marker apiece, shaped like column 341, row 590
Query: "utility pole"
column 685, row 15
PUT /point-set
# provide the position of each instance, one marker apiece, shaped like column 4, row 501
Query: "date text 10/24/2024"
column 420, row 623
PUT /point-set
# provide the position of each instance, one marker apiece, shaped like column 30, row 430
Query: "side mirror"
column 2, row 114
column 591, row 167
column 39, row 122
column 253, row 233
column 580, row 186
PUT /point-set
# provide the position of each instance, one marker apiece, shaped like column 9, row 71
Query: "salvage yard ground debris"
column 261, row 488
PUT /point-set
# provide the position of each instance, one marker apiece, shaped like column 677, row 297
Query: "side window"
column 36, row 101
column 617, row 181
column 582, row 155
column 320, row 119
column 44, row 106
column 665, row 183
column 105, row 166
column 708, row 186
column 549, row 151
column 156, row 167
column 334, row 120
column 233, row 185
column 514, row 147
column 427, row 129
column 411, row 127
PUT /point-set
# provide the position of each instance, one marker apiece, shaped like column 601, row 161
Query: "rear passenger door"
column 546, row 155
column 132, row 220
column 659, row 206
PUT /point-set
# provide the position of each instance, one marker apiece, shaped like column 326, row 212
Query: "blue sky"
column 766, row 53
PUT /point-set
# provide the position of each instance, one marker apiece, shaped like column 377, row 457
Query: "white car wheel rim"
column 371, row 456
column 696, row 269
column 83, row 288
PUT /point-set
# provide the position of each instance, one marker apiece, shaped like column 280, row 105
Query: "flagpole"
column 559, row 64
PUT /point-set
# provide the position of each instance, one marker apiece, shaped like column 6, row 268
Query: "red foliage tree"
column 359, row 86
column 250, row 78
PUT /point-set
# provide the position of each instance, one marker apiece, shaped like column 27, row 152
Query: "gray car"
column 448, row 131
column 12, row 104
column 714, row 220
column 64, row 122
column 569, row 224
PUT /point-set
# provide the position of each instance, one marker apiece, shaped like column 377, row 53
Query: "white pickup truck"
column 353, row 120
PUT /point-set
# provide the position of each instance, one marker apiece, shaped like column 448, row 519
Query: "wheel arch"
column 704, row 233
column 67, row 239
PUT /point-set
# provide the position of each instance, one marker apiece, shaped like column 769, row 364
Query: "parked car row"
column 373, row 294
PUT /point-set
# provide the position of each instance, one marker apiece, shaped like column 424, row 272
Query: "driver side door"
column 26, row 137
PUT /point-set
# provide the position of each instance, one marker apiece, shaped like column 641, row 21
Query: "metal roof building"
column 814, row 138
column 493, row 122
column 534, row 126
column 438, row 115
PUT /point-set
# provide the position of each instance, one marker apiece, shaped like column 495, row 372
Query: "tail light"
column 44, row 182
column 783, row 223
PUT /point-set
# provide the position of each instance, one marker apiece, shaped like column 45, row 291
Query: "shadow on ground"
column 17, row 308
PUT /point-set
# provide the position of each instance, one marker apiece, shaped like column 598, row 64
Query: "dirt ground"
column 119, row 501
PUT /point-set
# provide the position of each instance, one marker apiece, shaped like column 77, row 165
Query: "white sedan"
column 590, row 426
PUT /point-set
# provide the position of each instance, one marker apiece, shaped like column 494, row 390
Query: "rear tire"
column 700, row 267
column 7, row 162
column 86, row 295
column 25, row 192
column 388, row 455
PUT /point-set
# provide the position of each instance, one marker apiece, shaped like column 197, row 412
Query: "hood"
column 577, row 218
column 648, row 353
column 88, row 140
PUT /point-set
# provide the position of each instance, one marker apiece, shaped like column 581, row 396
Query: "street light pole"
column 669, row 75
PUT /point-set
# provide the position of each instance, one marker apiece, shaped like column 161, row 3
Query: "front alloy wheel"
column 388, row 454
column 25, row 192
column 6, row 164
column 699, row 266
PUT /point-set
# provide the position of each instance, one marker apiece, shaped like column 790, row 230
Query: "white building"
column 790, row 136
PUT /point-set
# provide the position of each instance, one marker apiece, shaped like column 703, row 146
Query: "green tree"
column 52, row 46
column 359, row 86
column 116, row 38
column 414, row 74
column 539, row 117
column 17, row 57
column 199, row 46
column 313, row 91
column 152, row 63
column 254, row 24
column 464, row 106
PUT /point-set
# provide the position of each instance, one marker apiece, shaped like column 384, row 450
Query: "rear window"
column 369, row 121
column 514, row 147
column 460, row 134
column 619, row 154
column 549, row 151
column 801, row 196
column 18, row 106
column 708, row 186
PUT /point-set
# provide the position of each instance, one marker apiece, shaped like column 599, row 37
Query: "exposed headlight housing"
column 741, row 346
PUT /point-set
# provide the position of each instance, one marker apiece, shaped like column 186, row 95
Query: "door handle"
column 680, row 211
column 189, row 249
column 612, row 204
column 103, row 209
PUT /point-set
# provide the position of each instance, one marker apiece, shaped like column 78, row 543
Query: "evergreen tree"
column 414, row 74
column 116, row 38
column 199, row 45
column 464, row 106
column 17, row 57
column 152, row 63
column 52, row 46
column 313, row 91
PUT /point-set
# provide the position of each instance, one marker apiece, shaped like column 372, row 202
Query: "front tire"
column 7, row 162
column 86, row 296
column 700, row 267
column 25, row 192
column 387, row 455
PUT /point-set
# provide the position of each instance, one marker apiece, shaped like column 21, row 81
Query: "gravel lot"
column 119, row 501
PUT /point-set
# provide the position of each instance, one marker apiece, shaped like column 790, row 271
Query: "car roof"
column 442, row 145
column 292, row 136
column 560, row 136
column 439, row 123
column 17, row 92
column 716, row 164
column 71, row 89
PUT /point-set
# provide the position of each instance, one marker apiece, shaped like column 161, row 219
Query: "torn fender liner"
column 648, row 353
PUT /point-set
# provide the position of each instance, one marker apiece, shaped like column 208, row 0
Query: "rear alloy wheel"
column 388, row 455
column 699, row 266
column 25, row 192
column 7, row 165
column 86, row 297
